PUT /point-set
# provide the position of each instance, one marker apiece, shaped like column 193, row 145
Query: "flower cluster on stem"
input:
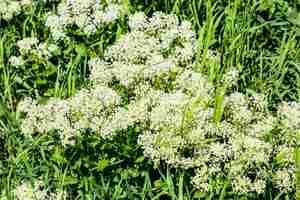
column 149, row 78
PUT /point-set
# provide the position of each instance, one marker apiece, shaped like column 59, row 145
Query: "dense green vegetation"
column 259, row 38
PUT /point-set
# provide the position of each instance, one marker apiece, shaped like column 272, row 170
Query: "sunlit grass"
column 260, row 38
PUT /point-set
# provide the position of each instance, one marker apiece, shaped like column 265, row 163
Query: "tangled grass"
column 104, row 104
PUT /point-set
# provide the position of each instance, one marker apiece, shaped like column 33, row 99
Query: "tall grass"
column 259, row 37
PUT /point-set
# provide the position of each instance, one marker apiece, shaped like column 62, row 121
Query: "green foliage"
column 259, row 37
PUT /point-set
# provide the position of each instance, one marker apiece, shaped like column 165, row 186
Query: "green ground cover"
column 255, row 42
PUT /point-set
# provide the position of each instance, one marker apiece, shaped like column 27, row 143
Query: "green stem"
column 298, row 167
column 219, row 104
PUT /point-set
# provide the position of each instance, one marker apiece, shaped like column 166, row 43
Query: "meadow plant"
column 86, row 110
column 35, row 64
column 30, row 50
column 57, row 38
column 27, row 191
column 149, row 79
column 11, row 8
column 87, row 15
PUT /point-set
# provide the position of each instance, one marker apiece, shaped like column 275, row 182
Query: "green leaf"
column 57, row 157
column 70, row 180
column 102, row 164
column 119, row 32
column 40, row 81
column 199, row 195
column 219, row 103
column 140, row 159
column 35, row 66
column 81, row 49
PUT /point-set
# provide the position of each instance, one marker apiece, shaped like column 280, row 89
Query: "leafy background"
column 259, row 37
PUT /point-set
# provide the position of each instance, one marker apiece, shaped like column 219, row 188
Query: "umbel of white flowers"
column 87, row 15
column 173, row 104
column 37, row 191
column 30, row 48
column 11, row 8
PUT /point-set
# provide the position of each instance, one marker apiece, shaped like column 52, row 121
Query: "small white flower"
column 87, row 15
column 25, row 105
column 231, row 77
column 241, row 184
column 111, row 13
column 284, row 180
column 26, row 191
column 9, row 9
column 137, row 21
column 26, row 44
column 290, row 113
column 16, row 61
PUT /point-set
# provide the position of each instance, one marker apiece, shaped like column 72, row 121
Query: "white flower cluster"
column 26, row 44
column 16, row 61
column 231, row 77
column 27, row 191
column 88, row 109
column 290, row 113
column 155, row 48
column 87, row 15
column 30, row 47
column 183, row 134
column 174, row 106
column 94, row 108
column 11, row 8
